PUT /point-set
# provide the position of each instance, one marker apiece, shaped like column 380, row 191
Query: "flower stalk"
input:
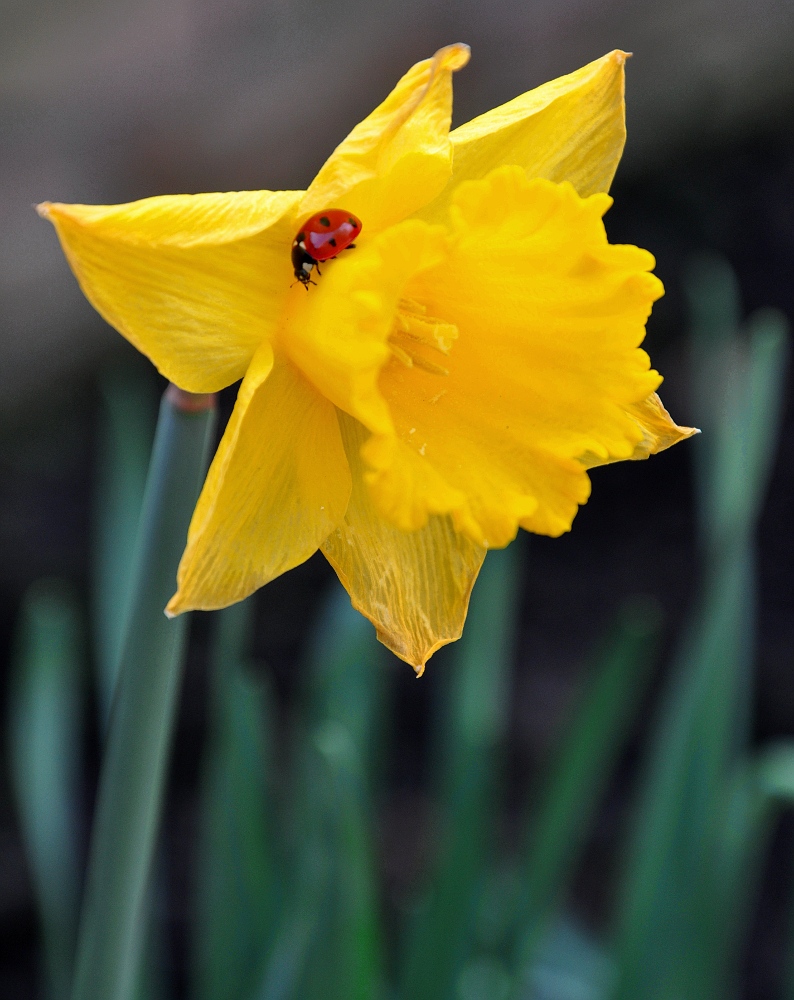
column 144, row 709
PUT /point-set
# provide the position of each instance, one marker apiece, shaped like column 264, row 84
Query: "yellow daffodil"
column 445, row 383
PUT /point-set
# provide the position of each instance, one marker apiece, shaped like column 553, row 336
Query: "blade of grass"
column 667, row 938
column 45, row 730
column 594, row 738
column 353, row 969
column 304, row 917
column 762, row 788
column 345, row 700
column 744, row 447
column 781, row 778
column 237, row 868
column 348, row 680
column 714, row 307
column 134, row 764
column 477, row 712
column 667, row 906
column 328, row 944
column 571, row 965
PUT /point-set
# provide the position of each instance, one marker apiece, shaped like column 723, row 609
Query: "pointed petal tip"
column 54, row 211
column 453, row 57
column 172, row 609
column 404, row 646
column 416, row 656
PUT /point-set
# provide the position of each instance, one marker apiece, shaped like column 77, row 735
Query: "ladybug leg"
column 350, row 246
column 317, row 265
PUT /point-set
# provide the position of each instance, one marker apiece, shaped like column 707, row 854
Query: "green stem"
column 134, row 765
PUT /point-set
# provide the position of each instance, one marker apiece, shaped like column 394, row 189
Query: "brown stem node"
column 190, row 402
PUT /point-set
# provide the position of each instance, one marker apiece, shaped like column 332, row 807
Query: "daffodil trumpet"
column 447, row 383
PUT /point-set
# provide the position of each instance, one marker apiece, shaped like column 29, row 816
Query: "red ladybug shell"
column 326, row 233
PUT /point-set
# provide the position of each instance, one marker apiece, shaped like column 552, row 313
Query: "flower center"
column 417, row 339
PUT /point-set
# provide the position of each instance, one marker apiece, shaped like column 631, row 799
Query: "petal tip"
column 617, row 57
column 455, row 56
column 172, row 609
column 44, row 209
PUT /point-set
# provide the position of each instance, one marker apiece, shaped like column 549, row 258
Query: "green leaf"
column 569, row 966
column 237, row 883
column 669, row 944
column 559, row 823
column 476, row 716
column 348, row 680
column 113, row 916
column 328, row 946
column 303, row 920
column 355, row 944
column 762, row 787
column 329, row 942
column 45, row 731
column 668, row 895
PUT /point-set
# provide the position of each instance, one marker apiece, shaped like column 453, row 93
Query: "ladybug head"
column 302, row 264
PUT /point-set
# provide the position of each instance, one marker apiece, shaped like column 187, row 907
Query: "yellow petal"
column 570, row 129
column 659, row 431
column 546, row 368
column 338, row 333
column 278, row 485
column 399, row 158
column 413, row 586
column 195, row 282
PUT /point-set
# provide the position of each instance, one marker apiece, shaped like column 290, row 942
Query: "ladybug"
column 321, row 238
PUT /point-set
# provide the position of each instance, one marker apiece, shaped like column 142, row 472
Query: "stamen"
column 411, row 305
column 414, row 329
column 429, row 366
column 433, row 332
column 400, row 354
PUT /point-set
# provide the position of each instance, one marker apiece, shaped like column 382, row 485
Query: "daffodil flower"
column 445, row 383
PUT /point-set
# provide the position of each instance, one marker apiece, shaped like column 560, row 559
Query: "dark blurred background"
column 104, row 102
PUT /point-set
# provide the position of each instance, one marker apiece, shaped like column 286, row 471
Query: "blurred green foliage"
column 287, row 901
column 45, row 734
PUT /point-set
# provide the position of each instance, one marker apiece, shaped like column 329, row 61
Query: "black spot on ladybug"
column 322, row 238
